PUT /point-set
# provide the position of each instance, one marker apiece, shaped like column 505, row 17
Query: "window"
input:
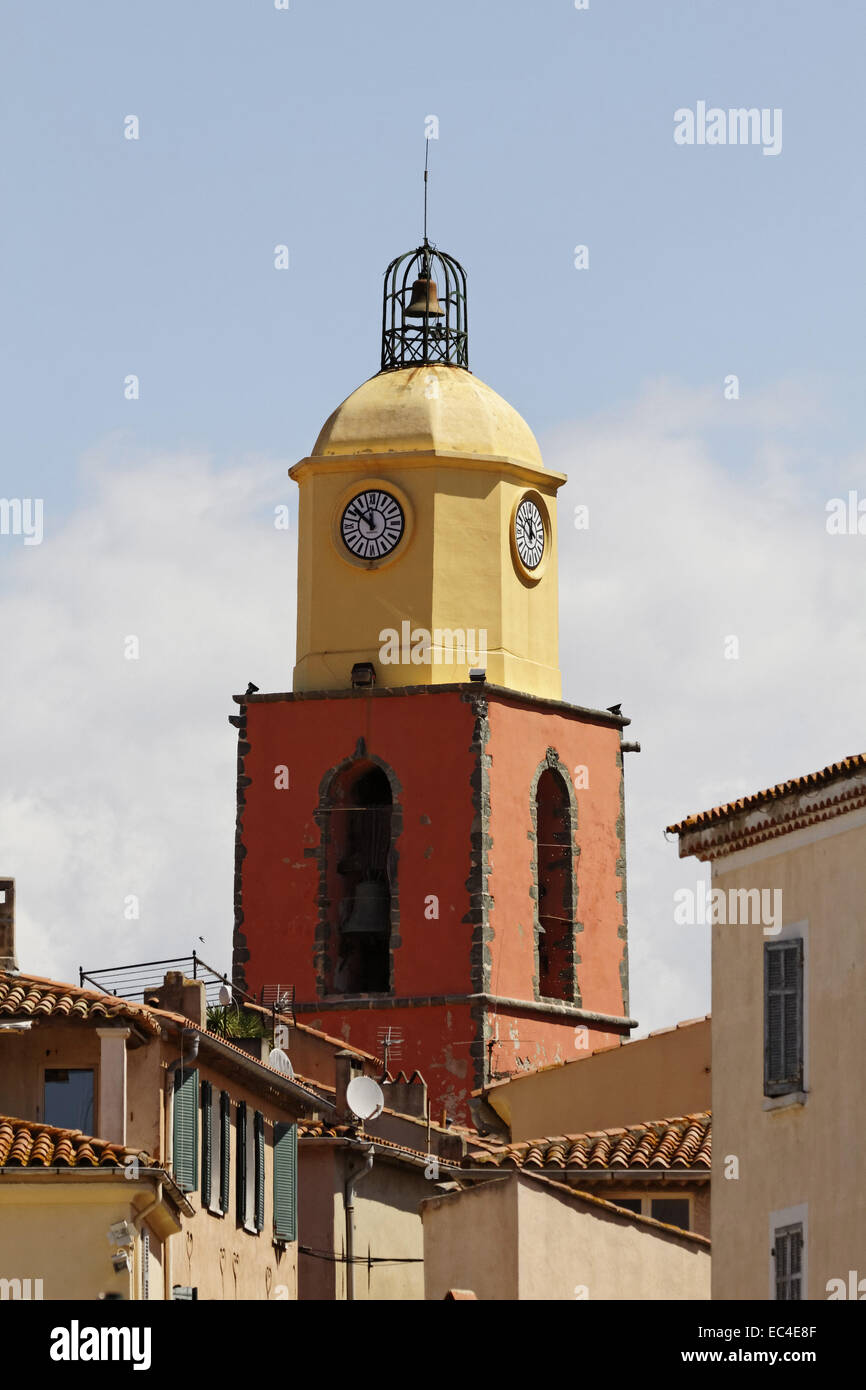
column 286, row 1182
column 225, row 1149
column 554, row 863
column 788, row 1262
column 185, row 1129
column 215, row 1140
column 69, row 1098
column 674, row 1211
column 250, row 1188
column 358, row 820
column 783, row 1017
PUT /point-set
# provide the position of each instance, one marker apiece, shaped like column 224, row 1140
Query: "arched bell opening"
column 359, row 879
column 555, row 923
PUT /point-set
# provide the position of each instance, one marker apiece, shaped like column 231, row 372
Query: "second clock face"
column 529, row 533
column 372, row 524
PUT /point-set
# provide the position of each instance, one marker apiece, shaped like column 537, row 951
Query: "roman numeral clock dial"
column 529, row 533
column 372, row 524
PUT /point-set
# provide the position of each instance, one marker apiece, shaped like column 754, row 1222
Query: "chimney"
column 348, row 1065
column 7, row 925
column 408, row 1095
column 180, row 995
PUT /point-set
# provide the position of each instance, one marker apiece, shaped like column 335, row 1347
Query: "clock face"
column 529, row 533
column 372, row 524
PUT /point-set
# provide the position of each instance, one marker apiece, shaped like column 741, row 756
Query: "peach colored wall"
column 651, row 1078
column 508, row 1239
column 25, row 1056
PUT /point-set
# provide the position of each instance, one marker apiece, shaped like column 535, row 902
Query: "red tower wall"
column 462, row 761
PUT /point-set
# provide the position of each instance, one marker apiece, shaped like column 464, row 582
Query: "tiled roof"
column 25, row 1144
column 681, row 1143
column 322, row 1129
column 28, row 996
column 811, row 782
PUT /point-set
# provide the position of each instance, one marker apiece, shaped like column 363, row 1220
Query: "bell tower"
column 430, row 841
column 427, row 520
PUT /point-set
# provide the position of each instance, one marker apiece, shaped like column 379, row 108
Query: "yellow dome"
column 424, row 409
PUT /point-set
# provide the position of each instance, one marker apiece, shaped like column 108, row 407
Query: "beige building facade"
column 195, row 1149
column 788, row 881
column 524, row 1237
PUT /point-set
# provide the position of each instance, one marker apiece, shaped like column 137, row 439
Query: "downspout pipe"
column 358, row 1166
column 138, row 1222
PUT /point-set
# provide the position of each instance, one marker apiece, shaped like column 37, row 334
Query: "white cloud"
column 119, row 774
column 681, row 553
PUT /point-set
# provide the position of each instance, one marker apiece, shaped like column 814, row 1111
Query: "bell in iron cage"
column 424, row 302
column 371, row 909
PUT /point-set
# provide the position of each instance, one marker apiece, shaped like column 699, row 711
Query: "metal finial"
column 426, row 157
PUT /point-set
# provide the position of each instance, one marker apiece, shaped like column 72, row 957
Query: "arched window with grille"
column 554, row 825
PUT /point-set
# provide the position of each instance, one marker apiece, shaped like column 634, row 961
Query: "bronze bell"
column 371, row 909
column 425, row 300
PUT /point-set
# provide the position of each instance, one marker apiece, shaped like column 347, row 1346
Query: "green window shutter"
column 783, row 1017
column 286, row 1181
column 259, row 1131
column 185, row 1136
column 241, row 1174
column 225, row 1149
column 206, row 1142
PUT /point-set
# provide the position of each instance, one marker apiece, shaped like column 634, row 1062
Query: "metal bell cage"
column 429, row 286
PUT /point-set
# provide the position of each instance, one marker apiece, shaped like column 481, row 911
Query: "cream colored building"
column 114, row 1112
column 788, row 887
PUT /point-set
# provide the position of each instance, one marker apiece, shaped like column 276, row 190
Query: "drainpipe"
column 137, row 1221
column 357, row 1168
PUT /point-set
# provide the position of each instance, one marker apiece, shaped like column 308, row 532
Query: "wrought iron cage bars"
column 444, row 340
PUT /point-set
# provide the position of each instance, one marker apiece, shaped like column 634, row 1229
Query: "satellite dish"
column 365, row 1098
column 279, row 1059
column 225, row 996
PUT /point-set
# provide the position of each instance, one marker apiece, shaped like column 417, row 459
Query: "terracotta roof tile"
column 319, row 1129
column 25, row 1144
column 28, row 996
column 683, row 1142
column 811, row 782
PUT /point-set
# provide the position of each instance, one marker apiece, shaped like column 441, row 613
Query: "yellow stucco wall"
column 56, row 1231
column 803, row 1153
column 458, row 465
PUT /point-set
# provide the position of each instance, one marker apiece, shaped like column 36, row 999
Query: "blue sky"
column 306, row 127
